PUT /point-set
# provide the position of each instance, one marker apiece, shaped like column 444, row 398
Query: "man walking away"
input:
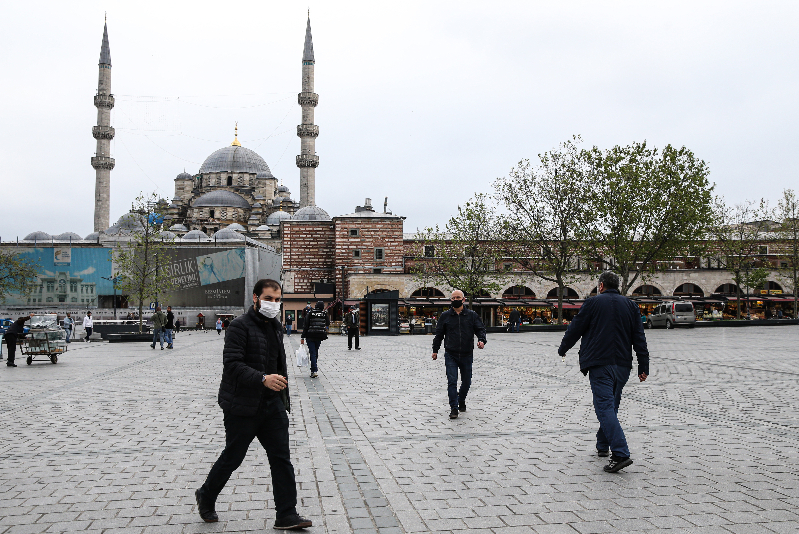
column 254, row 397
column 14, row 332
column 170, row 325
column 314, row 331
column 289, row 322
column 177, row 326
column 352, row 323
column 225, row 324
column 68, row 324
column 459, row 326
column 514, row 320
column 159, row 322
column 87, row 325
column 609, row 324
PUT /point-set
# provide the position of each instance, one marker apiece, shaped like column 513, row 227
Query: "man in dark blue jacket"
column 459, row 325
column 609, row 325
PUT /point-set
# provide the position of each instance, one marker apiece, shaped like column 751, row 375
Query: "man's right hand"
column 435, row 355
column 302, row 341
column 276, row 382
column 642, row 377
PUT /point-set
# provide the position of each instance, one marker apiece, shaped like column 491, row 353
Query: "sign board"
column 62, row 255
column 206, row 277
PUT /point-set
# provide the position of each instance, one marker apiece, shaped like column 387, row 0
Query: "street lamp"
column 113, row 280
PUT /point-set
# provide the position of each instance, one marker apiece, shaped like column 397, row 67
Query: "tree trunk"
column 560, row 302
column 738, row 295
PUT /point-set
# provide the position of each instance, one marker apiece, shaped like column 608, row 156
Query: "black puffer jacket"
column 459, row 329
column 247, row 358
column 316, row 323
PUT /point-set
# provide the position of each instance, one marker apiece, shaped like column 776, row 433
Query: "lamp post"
column 113, row 280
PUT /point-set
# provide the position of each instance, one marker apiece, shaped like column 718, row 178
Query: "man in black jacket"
column 314, row 331
column 459, row 326
column 254, row 397
column 609, row 325
column 170, row 326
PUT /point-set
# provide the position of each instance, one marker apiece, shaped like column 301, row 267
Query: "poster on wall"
column 67, row 276
column 206, row 277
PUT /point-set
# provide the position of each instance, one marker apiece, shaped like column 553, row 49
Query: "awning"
column 352, row 302
column 571, row 306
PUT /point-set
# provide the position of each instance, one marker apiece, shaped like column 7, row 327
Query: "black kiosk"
column 382, row 313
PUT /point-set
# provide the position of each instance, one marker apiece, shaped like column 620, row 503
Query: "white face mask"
column 269, row 309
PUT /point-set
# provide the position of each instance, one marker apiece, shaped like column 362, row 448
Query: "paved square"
column 115, row 438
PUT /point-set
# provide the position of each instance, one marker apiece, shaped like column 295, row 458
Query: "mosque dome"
column 282, row 189
column 168, row 236
column 178, row 228
column 265, row 175
column 235, row 159
column 184, row 176
column 226, row 234
column 196, row 235
column 38, row 236
column 221, row 198
column 68, row 236
column 94, row 236
column 126, row 224
column 263, row 228
column 311, row 213
column 235, row 226
column 276, row 217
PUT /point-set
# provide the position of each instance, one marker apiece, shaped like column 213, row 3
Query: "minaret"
column 103, row 132
column 307, row 161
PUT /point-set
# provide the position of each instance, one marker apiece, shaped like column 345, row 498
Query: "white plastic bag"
column 303, row 358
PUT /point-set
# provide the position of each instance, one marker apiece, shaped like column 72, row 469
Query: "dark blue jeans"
column 313, row 352
column 158, row 334
column 453, row 364
column 607, row 383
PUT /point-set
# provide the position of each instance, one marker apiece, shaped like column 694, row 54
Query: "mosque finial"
column 236, row 139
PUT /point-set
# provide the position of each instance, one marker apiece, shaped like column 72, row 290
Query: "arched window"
column 568, row 293
column 230, row 180
column 726, row 289
column 429, row 292
column 480, row 294
column 689, row 290
column 645, row 290
column 518, row 292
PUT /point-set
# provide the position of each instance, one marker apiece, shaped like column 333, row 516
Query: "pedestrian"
column 609, row 324
column 459, row 326
column 170, row 325
column 14, row 332
column 225, row 324
column 314, row 330
column 254, row 397
column 219, row 327
column 177, row 326
column 515, row 318
column 779, row 313
column 352, row 323
column 159, row 325
column 88, row 324
column 68, row 325
column 289, row 322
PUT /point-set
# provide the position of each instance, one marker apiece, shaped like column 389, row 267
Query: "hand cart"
column 45, row 338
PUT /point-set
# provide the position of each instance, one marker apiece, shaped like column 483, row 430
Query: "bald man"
column 459, row 327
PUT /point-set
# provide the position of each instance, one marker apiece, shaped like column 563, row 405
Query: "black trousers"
column 271, row 427
column 350, row 333
column 11, row 345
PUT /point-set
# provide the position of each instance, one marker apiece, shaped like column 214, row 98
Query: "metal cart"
column 45, row 338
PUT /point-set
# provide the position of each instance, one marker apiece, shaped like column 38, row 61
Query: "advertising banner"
column 206, row 277
column 62, row 255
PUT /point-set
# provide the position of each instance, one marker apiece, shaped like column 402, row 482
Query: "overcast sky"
column 422, row 102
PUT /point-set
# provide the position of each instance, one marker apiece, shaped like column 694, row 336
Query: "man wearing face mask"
column 254, row 398
column 459, row 326
column 314, row 331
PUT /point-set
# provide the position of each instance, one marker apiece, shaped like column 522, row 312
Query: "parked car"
column 671, row 315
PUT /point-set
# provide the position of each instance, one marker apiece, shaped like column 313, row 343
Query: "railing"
column 104, row 101
column 103, row 132
column 103, row 162
column 308, row 99
column 307, row 130
column 307, row 160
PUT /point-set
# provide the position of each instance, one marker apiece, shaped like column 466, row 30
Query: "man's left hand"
column 480, row 344
column 642, row 377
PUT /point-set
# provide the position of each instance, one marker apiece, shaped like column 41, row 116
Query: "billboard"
column 206, row 277
column 67, row 276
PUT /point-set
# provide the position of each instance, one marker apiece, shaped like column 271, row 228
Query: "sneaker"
column 153, row 345
column 170, row 346
column 205, row 508
column 162, row 348
column 603, row 454
column 291, row 522
column 349, row 348
column 357, row 348
column 462, row 407
column 11, row 365
column 617, row 464
column 453, row 414
column 314, row 375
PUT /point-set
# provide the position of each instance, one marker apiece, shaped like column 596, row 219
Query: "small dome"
column 256, row 205
column 68, row 236
column 221, row 198
column 276, row 201
column 38, row 236
column 178, row 228
column 168, row 236
column 196, row 235
column 276, row 217
column 235, row 226
column 226, row 234
column 265, row 175
column 263, row 228
column 235, row 159
column 311, row 213
column 282, row 189
column 184, row 176
column 127, row 224
column 94, row 236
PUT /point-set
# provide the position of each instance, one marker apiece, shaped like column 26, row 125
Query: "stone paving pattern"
column 115, row 438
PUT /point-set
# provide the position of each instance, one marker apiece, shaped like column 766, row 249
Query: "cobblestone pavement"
column 115, row 438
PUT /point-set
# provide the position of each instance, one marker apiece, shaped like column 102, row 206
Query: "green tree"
column 548, row 214
column 142, row 254
column 17, row 274
column 787, row 215
column 737, row 233
column 465, row 251
column 649, row 205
